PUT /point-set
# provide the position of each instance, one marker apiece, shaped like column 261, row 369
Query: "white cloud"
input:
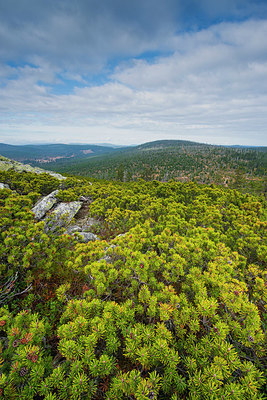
column 212, row 88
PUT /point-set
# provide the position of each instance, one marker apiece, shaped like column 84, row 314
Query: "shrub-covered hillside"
column 168, row 304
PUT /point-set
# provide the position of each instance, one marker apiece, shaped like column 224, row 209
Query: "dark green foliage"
column 25, row 182
column 50, row 152
column 239, row 168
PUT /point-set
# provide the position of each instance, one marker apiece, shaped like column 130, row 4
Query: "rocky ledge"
column 72, row 216
column 6, row 164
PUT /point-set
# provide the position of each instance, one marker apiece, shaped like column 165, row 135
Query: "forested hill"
column 164, row 144
column 46, row 153
column 130, row 290
column 241, row 168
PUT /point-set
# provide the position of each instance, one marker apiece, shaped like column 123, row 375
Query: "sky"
column 132, row 71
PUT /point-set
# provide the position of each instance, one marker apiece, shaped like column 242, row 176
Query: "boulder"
column 86, row 199
column 62, row 215
column 73, row 229
column 83, row 224
column 88, row 236
column 44, row 205
column 4, row 186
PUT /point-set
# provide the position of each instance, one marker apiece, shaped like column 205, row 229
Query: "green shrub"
column 171, row 308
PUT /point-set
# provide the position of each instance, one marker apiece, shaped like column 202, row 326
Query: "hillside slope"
column 167, row 305
column 8, row 164
column 240, row 168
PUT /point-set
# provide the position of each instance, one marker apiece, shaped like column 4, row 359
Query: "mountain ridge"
column 48, row 153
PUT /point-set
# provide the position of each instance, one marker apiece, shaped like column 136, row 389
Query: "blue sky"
column 132, row 71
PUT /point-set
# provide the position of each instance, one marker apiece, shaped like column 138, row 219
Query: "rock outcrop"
column 72, row 216
column 62, row 215
column 88, row 236
column 4, row 186
column 57, row 214
column 44, row 205
column 83, row 225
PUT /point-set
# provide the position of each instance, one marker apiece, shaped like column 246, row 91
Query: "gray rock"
column 4, row 186
column 84, row 198
column 108, row 259
column 88, row 236
column 120, row 235
column 73, row 229
column 88, row 223
column 62, row 215
column 83, row 224
column 44, row 205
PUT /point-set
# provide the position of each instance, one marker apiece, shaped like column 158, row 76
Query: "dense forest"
column 168, row 303
column 238, row 168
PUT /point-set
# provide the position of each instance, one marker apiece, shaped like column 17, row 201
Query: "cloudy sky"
column 132, row 71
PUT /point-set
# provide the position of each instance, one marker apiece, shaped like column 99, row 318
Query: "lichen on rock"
column 62, row 215
column 44, row 205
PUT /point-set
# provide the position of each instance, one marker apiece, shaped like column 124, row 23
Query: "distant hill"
column 46, row 153
column 184, row 161
column 164, row 144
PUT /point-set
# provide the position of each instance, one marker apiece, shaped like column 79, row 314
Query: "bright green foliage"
column 169, row 304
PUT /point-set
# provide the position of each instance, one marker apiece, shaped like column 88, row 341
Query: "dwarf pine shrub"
column 169, row 304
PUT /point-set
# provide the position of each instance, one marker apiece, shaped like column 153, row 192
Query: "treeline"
column 169, row 304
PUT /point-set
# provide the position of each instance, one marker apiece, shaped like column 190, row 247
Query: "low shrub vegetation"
column 168, row 305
